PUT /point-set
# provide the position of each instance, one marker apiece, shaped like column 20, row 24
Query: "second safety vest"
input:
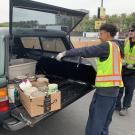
column 109, row 71
column 129, row 53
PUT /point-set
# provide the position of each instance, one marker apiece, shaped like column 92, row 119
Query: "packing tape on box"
column 47, row 103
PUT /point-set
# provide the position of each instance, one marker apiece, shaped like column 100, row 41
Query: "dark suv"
column 40, row 31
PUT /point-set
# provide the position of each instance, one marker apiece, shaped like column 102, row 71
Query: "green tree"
column 84, row 25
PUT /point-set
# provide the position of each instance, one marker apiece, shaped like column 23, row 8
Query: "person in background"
column 128, row 73
column 108, row 79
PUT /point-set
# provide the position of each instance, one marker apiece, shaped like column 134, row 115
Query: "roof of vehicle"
column 29, row 4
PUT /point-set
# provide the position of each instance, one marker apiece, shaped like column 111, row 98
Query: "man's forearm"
column 92, row 51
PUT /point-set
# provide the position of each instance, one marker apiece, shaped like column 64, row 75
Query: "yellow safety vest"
column 129, row 53
column 109, row 71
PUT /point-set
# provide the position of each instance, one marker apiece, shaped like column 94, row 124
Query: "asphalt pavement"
column 72, row 121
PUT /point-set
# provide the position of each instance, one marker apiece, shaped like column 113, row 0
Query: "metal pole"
column 101, row 3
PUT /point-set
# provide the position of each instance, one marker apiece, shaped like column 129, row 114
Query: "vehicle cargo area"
column 29, row 64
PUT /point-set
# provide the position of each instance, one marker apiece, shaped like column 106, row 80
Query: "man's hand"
column 60, row 55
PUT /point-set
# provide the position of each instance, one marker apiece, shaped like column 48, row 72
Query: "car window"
column 25, row 18
column 53, row 44
column 31, row 42
column 2, row 55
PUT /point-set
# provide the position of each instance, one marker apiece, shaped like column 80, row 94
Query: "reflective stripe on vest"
column 131, row 58
column 114, row 78
column 108, row 78
column 116, row 60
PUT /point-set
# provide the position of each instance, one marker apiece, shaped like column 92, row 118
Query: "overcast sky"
column 112, row 6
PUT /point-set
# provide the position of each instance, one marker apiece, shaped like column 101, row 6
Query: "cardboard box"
column 40, row 105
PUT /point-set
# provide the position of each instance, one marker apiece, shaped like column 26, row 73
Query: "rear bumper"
column 13, row 124
column 9, row 122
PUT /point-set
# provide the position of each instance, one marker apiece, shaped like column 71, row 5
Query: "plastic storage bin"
column 19, row 67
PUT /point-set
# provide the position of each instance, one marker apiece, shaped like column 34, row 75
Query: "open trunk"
column 73, row 81
column 36, row 22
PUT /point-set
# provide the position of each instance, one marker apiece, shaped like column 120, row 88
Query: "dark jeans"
column 100, row 115
column 129, row 84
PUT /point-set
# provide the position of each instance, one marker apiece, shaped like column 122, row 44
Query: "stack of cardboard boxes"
column 39, row 101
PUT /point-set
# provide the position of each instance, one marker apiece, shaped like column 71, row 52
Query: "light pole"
column 101, row 3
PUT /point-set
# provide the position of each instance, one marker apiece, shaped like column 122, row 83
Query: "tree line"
column 122, row 21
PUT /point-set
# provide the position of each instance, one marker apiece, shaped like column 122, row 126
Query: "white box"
column 20, row 67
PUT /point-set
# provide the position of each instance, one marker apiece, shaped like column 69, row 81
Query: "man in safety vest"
column 108, row 79
column 128, row 73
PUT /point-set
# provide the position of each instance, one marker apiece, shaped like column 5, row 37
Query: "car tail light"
column 4, row 103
